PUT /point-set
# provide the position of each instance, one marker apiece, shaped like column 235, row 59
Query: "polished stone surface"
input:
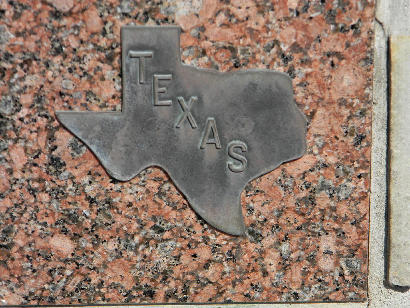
column 71, row 234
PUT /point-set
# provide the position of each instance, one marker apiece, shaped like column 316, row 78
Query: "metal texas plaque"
column 212, row 132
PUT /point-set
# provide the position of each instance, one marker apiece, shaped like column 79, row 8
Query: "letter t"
column 141, row 55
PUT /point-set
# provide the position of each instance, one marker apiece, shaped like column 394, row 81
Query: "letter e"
column 157, row 90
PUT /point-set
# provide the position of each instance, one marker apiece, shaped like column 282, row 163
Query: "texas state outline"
column 212, row 132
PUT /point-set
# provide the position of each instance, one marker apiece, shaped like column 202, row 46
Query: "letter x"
column 186, row 114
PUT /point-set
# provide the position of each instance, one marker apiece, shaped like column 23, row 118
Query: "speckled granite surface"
column 69, row 234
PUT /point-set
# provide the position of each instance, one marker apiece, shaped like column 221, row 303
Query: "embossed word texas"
column 212, row 132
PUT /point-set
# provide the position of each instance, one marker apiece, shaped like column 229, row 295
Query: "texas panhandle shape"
column 212, row 132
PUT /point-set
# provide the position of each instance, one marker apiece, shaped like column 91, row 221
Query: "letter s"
column 243, row 162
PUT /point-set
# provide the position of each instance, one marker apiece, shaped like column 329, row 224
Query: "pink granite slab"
column 70, row 234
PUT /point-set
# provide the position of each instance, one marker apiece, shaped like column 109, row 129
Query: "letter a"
column 210, row 126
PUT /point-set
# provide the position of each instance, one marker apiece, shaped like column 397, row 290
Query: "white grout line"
column 379, row 295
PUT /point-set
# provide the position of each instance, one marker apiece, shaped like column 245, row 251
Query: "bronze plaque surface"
column 212, row 134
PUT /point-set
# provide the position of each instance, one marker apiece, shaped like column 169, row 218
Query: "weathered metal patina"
column 212, row 132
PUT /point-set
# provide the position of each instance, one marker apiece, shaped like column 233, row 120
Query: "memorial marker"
column 212, row 132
